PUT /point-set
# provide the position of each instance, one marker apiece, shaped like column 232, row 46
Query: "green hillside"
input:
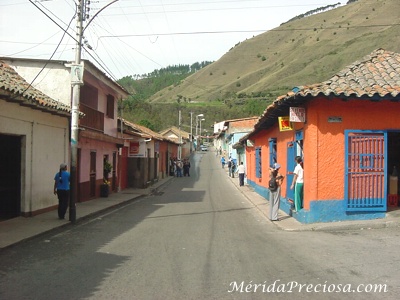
column 306, row 50
column 300, row 52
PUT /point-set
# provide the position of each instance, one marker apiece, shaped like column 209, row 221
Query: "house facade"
column 181, row 137
column 34, row 139
column 148, row 154
column 346, row 129
column 234, row 131
column 227, row 135
column 99, row 139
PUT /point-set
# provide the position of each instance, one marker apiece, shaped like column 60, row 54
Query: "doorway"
column 393, row 153
column 10, row 176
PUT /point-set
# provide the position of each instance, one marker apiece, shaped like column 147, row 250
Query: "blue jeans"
column 241, row 179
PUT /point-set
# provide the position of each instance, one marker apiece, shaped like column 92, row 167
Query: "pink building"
column 99, row 139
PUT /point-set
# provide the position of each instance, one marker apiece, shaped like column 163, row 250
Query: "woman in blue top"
column 61, row 189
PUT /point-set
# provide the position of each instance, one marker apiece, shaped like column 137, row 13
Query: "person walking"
column 275, row 183
column 298, row 183
column 186, row 167
column 242, row 172
column 179, row 166
column 229, row 167
column 233, row 168
column 223, row 162
column 61, row 189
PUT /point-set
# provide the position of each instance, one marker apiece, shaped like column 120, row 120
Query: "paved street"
column 198, row 237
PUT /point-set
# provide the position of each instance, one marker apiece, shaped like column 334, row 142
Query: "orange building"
column 347, row 130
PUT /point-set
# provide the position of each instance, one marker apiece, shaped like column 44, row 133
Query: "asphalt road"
column 199, row 238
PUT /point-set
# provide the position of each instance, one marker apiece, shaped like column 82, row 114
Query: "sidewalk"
column 288, row 223
column 18, row 229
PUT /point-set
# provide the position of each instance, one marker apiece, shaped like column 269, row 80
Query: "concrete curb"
column 288, row 223
column 19, row 230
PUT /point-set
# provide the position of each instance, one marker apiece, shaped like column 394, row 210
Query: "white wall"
column 45, row 146
column 54, row 81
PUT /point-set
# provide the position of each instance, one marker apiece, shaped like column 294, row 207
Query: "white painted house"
column 34, row 139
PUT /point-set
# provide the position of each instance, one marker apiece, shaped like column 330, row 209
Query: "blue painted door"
column 366, row 164
column 291, row 154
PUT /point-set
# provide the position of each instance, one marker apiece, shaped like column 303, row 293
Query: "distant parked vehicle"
column 203, row 148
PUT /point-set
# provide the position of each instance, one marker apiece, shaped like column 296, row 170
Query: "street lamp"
column 191, row 132
column 197, row 121
column 200, row 126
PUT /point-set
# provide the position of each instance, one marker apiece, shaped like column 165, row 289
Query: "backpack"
column 272, row 184
column 229, row 164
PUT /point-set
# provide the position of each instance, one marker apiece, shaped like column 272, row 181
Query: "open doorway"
column 10, row 176
column 393, row 153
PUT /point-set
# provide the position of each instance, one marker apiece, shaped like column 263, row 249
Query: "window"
column 272, row 151
column 89, row 96
column 258, row 162
column 110, row 106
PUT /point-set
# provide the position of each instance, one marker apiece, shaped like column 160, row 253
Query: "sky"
column 131, row 37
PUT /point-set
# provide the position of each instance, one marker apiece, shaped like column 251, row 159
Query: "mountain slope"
column 300, row 52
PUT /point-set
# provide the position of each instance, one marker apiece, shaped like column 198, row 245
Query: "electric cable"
column 47, row 62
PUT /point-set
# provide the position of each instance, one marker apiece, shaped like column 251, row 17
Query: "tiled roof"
column 145, row 131
column 21, row 92
column 375, row 77
column 175, row 130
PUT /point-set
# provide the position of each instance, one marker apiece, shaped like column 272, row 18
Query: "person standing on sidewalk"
column 179, row 166
column 275, row 191
column 298, row 183
column 230, row 167
column 241, row 171
column 186, row 167
column 233, row 168
column 61, row 189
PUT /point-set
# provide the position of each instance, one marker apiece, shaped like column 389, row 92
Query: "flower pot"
column 104, row 190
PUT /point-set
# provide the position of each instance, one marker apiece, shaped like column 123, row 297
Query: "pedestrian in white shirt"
column 298, row 184
column 241, row 171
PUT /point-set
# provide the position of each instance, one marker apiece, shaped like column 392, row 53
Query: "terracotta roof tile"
column 144, row 130
column 23, row 93
column 376, row 76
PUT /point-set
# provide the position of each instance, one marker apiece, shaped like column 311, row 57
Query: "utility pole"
column 76, row 82
column 180, row 137
column 77, row 70
column 191, row 131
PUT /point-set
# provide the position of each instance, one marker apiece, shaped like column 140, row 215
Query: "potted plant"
column 105, row 188
column 107, row 168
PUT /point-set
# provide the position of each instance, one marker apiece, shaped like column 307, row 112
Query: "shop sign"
column 285, row 124
column 297, row 114
column 136, row 149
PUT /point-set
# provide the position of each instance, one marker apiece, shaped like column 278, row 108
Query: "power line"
column 244, row 31
column 44, row 66
column 66, row 32
column 215, row 9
